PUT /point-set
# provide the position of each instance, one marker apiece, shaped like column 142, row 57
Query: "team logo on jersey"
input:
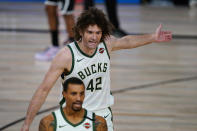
column 80, row 59
column 101, row 50
column 87, row 125
column 106, row 116
column 60, row 126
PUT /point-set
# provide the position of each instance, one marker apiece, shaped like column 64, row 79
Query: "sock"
column 54, row 38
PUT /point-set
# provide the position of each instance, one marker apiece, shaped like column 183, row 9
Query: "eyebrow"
column 95, row 31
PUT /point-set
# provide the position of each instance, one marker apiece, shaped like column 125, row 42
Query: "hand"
column 25, row 128
column 162, row 36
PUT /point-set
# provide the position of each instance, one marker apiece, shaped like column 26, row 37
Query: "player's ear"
column 64, row 94
column 80, row 32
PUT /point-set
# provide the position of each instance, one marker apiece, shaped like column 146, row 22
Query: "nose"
column 78, row 97
column 94, row 36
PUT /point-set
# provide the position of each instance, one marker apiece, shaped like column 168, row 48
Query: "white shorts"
column 107, row 114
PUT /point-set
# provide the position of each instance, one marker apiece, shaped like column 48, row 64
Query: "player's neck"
column 73, row 116
column 85, row 49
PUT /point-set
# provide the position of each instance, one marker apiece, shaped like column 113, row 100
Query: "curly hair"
column 93, row 16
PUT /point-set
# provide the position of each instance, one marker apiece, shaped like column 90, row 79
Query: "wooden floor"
column 155, row 86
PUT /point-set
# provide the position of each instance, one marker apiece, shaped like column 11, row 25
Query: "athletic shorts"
column 107, row 114
column 66, row 6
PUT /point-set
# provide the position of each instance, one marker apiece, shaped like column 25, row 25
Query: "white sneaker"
column 48, row 54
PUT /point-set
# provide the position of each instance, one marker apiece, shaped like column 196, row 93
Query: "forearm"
column 35, row 104
column 133, row 41
column 140, row 40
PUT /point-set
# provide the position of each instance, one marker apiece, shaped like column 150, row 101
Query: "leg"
column 69, row 22
column 111, row 6
column 67, row 12
column 88, row 4
column 53, row 22
column 51, row 11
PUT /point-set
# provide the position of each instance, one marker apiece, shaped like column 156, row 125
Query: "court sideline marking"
column 43, row 31
column 114, row 92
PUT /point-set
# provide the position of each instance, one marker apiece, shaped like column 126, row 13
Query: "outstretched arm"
column 58, row 65
column 100, row 124
column 133, row 41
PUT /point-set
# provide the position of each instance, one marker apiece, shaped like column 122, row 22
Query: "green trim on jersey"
column 74, row 125
column 106, row 49
column 62, row 101
column 54, row 128
column 76, row 44
column 93, row 117
column 73, row 60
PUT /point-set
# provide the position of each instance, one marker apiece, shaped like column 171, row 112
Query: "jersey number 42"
column 96, row 84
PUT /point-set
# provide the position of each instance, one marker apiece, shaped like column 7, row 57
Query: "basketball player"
column 88, row 58
column 66, row 9
column 73, row 117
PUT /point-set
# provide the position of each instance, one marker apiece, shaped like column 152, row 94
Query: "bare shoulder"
column 100, row 123
column 63, row 58
column 64, row 54
column 47, row 123
column 110, row 41
column 100, row 119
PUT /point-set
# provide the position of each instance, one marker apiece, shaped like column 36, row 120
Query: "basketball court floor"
column 155, row 86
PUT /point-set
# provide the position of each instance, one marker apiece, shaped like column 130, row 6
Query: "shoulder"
column 47, row 123
column 110, row 41
column 100, row 119
column 64, row 54
column 100, row 123
column 63, row 58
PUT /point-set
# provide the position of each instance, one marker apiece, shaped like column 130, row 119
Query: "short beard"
column 77, row 110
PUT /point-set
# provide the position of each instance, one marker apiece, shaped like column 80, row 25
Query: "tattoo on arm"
column 42, row 126
column 100, row 126
column 47, row 126
column 52, row 125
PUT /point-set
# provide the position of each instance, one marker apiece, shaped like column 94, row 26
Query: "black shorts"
column 65, row 6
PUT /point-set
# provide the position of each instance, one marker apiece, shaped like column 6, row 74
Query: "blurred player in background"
column 111, row 7
column 66, row 9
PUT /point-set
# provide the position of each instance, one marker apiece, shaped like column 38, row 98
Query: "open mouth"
column 77, row 104
column 92, row 42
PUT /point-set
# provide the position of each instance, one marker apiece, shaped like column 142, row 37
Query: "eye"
column 82, row 93
column 98, row 33
column 73, row 93
column 89, row 32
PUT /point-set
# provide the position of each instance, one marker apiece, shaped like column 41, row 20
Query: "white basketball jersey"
column 94, row 71
column 62, row 124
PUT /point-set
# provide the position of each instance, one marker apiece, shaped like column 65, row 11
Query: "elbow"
column 44, row 89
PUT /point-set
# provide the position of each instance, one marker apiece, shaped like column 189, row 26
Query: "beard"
column 76, row 108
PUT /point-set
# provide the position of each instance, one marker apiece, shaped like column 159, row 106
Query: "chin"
column 76, row 108
column 93, row 46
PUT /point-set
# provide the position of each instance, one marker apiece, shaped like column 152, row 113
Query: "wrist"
column 153, row 37
column 25, row 127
